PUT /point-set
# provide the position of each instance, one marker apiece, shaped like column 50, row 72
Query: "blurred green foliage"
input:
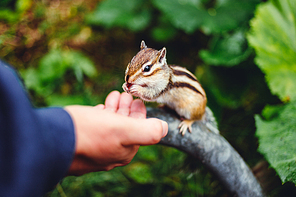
column 76, row 52
column 151, row 173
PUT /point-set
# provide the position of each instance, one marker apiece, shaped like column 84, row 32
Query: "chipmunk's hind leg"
column 184, row 125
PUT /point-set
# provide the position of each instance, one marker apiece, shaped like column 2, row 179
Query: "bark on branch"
column 207, row 145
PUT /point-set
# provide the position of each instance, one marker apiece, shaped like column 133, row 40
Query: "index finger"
column 112, row 101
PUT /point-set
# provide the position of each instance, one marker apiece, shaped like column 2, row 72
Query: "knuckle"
column 155, row 140
column 157, row 133
column 107, row 168
column 124, row 163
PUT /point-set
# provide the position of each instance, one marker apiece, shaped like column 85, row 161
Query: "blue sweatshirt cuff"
column 59, row 142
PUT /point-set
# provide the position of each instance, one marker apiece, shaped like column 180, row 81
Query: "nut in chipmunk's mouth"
column 131, row 89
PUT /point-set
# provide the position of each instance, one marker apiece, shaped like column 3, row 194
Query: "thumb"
column 146, row 132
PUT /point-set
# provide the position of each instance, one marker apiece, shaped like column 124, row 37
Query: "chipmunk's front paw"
column 184, row 125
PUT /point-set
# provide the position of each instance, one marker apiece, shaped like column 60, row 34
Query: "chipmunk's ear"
column 143, row 45
column 162, row 54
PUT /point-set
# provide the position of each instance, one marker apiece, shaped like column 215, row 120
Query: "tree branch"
column 207, row 145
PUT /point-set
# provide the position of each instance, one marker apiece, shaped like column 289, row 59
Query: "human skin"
column 108, row 136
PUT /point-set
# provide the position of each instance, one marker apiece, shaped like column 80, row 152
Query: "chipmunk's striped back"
column 183, row 92
column 184, row 78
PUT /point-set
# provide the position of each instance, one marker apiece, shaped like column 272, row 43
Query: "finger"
column 125, row 104
column 144, row 132
column 138, row 109
column 112, row 101
column 100, row 106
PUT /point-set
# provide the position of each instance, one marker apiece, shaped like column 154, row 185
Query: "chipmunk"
column 149, row 77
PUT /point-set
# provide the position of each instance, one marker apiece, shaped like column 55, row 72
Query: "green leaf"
column 31, row 78
column 80, row 64
column 9, row 16
column 277, row 140
column 23, row 5
column 273, row 36
column 185, row 15
column 131, row 14
column 227, row 50
column 227, row 15
column 56, row 62
column 52, row 66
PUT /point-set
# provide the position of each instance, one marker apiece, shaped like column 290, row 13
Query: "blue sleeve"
column 36, row 145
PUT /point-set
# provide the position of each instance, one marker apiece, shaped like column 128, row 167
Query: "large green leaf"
column 277, row 137
column 228, row 15
column 227, row 50
column 273, row 36
column 185, row 15
column 128, row 13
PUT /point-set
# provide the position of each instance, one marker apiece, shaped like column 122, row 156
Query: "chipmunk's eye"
column 147, row 68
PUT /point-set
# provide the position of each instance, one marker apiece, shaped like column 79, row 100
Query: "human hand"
column 109, row 135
